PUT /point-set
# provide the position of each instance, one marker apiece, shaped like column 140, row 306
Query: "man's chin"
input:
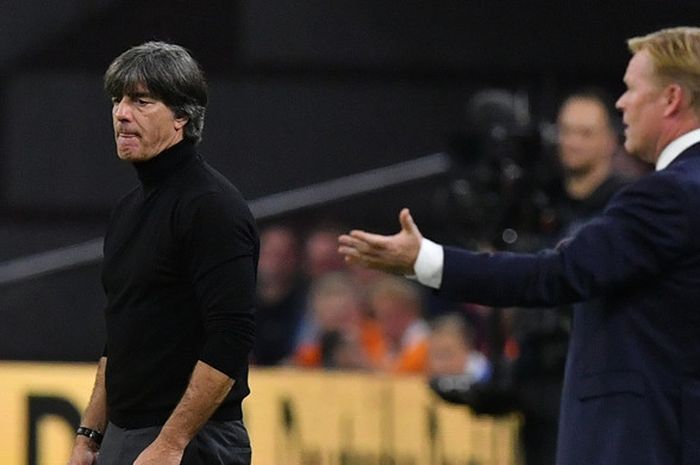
column 643, row 155
column 127, row 155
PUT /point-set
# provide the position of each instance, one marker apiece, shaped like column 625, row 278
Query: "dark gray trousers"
column 217, row 443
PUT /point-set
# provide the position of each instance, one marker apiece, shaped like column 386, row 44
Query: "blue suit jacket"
column 632, row 385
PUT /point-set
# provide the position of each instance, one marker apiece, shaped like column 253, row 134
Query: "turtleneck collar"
column 160, row 167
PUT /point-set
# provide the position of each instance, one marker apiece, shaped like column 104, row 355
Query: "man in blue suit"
column 632, row 385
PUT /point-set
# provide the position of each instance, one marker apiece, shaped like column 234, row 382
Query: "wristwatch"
column 90, row 433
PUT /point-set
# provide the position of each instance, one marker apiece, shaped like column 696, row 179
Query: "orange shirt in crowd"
column 371, row 341
column 411, row 359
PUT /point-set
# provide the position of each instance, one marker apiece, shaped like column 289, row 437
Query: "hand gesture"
column 394, row 254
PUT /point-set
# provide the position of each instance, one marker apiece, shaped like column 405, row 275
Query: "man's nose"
column 121, row 110
column 619, row 103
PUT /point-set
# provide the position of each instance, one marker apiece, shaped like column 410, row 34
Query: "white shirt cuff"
column 429, row 264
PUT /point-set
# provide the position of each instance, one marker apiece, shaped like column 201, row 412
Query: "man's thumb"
column 406, row 221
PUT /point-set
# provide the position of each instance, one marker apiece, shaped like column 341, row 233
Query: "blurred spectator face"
column 278, row 263
column 334, row 312
column 335, row 305
column 448, row 353
column 585, row 137
column 392, row 316
column 322, row 253
column 395, row 305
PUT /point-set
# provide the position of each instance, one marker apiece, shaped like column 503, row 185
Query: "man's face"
column 144, row 126
column 584, row 135
column 642, row 107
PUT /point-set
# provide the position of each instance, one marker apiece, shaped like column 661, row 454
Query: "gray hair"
column 170, row 74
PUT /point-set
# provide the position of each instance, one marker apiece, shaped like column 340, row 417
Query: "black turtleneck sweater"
column 180, row 259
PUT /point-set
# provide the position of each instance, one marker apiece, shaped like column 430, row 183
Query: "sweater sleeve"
column 222, row 247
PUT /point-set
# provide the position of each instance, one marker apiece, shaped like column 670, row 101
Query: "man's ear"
column 181, row 122
column 673, row 96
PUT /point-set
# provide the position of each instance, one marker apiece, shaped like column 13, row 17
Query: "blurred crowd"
column 314, row 311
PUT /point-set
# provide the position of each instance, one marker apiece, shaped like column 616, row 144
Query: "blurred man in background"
column 587, row 143
column 320, row 252
column 398, row 307
column 281, row 296
column 344, row 336
column 180, row 258
column 451, row 350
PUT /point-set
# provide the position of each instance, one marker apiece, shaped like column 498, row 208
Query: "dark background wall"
column 301, row 92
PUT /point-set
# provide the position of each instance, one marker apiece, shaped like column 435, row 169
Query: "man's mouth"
column 127, row 134
column 127, row 140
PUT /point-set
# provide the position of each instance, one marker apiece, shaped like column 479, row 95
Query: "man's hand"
column 208, row 387
column 394, row 254
column 84, row 453
column 160, row 453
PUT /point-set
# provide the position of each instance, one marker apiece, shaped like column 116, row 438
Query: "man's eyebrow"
column 135, row 95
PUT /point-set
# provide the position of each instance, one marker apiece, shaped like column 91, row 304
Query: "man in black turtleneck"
column 180, row 259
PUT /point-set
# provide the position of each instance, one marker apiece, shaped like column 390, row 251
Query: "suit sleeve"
column 222, row 253
column 644, row 231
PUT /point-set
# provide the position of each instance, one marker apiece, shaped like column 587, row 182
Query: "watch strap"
column 90, row 433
